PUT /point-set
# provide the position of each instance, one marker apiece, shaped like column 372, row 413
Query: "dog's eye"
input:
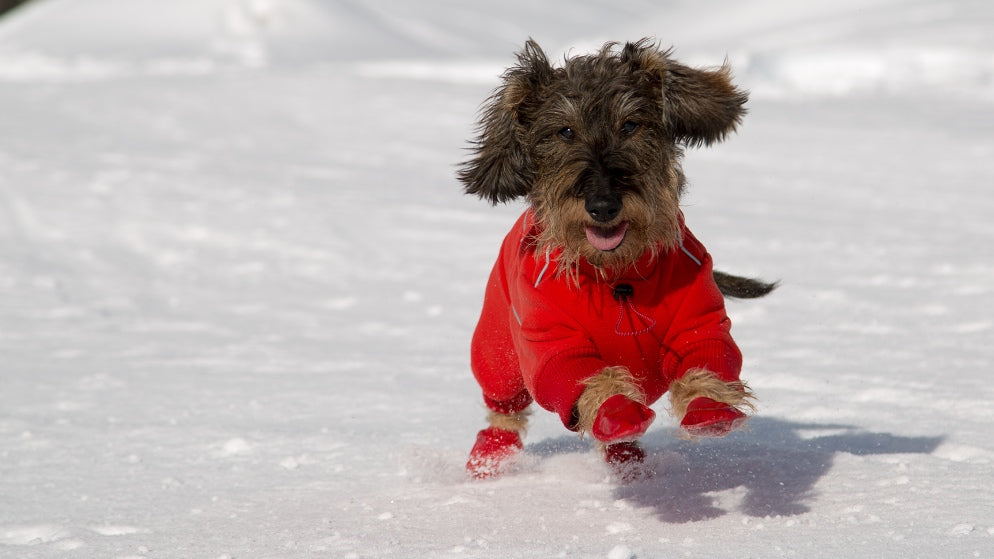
column 566, row 134
column 629, row 128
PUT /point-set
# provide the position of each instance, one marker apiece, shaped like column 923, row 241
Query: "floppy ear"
column 500, row 169
column 700, row 107
column 703, row 105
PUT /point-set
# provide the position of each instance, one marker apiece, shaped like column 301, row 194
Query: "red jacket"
column 542, row 333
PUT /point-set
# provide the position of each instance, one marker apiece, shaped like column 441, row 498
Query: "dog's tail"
column 742, row 288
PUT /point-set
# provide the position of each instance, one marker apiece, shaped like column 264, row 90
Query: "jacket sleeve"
column 556, row 352
column 700, row 334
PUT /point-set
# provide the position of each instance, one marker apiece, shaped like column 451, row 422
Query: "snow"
column 239, row 280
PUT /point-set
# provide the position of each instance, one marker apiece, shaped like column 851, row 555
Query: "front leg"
column 612, row 407
column 708, row 406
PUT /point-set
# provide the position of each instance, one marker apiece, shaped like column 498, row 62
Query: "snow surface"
column 239, row 279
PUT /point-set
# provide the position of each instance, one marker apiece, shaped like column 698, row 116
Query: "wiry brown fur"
column 517, row 422
column 702, row 382
column 652, row 225
column 598, row 388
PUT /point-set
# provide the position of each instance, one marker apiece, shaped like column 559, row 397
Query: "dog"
column 602, row 299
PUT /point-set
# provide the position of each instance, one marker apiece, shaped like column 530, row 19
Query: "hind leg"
column 497, row 371
column 498, row 445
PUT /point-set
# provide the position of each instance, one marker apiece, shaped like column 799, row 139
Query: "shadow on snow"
column 776, row 462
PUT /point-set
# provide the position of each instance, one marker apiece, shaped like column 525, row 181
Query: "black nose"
column 602, row 207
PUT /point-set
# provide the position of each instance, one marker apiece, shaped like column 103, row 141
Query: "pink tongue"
column 606, row 239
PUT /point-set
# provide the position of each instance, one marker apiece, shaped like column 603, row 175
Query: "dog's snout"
column 603, row 207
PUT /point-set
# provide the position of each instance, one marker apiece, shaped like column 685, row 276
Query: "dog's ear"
column 500, row 169
column 700, row 107
column 703, row 106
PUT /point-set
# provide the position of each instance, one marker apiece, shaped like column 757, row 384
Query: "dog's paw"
column 493, row 453
column 627, row 461
column 621, row 419
column 708, row 418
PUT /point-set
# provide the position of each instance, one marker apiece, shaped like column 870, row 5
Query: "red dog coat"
column 540, row 334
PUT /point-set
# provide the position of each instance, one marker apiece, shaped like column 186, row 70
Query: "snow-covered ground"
column 238, row 280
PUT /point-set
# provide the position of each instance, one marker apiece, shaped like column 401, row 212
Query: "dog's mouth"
column 606, row 239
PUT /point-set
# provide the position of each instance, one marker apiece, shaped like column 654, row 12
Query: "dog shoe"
column 708, row 418
column 627, row 460
column 621, row 419
column 493, row 452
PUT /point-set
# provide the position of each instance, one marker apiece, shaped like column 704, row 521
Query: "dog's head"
column 595, row 146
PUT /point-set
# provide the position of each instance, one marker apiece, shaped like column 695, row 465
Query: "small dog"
column 602, row 300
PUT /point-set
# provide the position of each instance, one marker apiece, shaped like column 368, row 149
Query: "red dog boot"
column 627, row 459
column 620, row 419
column 708, row 418
column 493, row 452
